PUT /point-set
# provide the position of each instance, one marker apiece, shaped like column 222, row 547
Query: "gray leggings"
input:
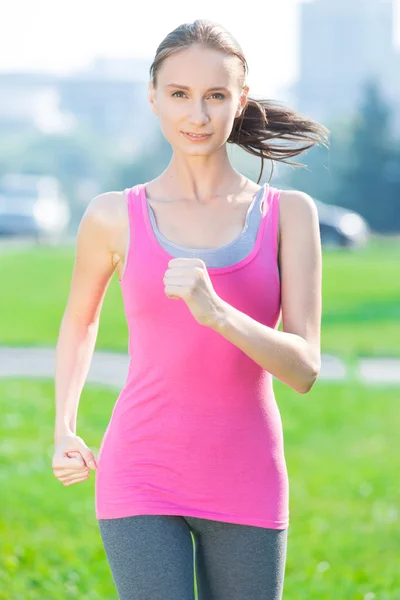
column 152, row 557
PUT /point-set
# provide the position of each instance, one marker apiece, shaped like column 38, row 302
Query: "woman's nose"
column 199, row 114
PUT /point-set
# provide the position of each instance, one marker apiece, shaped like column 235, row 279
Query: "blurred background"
column 75, row 122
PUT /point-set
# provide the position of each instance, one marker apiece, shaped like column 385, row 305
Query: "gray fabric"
column 152, row 557
column 227, row 255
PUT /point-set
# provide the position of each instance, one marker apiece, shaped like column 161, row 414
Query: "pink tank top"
column 196, row 430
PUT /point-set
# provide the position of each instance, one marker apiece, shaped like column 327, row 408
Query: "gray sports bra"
column 224, row 256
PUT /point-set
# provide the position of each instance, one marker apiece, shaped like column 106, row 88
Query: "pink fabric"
column 196, row 430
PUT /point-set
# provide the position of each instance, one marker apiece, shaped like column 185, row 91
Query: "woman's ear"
column 152, row 98
column 242, row 100
column 243, row 97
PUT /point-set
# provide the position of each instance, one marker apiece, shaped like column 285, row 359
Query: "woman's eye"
column 221, row 96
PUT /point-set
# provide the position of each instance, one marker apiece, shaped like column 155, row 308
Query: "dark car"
column 32, row 206
column 340, row 227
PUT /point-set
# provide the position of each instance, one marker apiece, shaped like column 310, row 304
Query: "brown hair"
column 261, row 120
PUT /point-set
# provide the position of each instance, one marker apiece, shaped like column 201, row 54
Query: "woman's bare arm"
column 291, row 355
column 92, row 272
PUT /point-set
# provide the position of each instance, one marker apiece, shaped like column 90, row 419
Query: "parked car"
column 340, row 227
column 32, row 206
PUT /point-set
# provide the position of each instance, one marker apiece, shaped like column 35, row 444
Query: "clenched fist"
column 72, row 460
column 188, row 279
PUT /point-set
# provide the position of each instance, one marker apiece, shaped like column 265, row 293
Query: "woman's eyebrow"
column 185, row 87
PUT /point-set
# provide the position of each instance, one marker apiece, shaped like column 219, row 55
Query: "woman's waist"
column 181, row 421
column 205, row 444
column 212, row 376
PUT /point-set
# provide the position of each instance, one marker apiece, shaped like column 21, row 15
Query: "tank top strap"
column 136, row 228
column 270, row 219
column 132, row 198
column 135, row 202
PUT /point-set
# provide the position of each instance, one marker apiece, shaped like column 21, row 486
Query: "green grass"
column 361, row 300
column 341, row 450
column 35, row 289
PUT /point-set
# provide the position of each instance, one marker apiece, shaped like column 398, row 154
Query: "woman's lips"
column 196, row 138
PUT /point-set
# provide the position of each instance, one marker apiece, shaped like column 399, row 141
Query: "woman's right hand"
column 72, row 460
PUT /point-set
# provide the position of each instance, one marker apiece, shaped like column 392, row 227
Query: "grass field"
column 343, row 463
column 361, row 300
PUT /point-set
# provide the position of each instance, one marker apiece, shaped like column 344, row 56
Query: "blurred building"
column 342, row 43
column 109, row 98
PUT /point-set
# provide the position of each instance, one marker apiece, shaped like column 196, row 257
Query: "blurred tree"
column 370, row 181
column 361, row 170
column 71, row 157
column 151, row 162
column 319, row 177
column 11, row 146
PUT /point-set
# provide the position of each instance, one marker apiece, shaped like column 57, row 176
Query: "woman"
column 208, row 261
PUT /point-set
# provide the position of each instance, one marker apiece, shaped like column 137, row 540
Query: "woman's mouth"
column 196, row 137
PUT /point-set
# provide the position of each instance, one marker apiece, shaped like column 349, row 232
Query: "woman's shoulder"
column 297, row 213
column 106, row 220
column 295, row 204
column 107, row 207
column 106, row 215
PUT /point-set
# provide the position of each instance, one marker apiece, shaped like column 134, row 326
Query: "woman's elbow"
column 309, row 381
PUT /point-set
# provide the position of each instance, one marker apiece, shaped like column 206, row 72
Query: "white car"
column 32, row 206
column 341, row 227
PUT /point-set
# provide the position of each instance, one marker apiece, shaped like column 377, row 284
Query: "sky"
column 62, row 37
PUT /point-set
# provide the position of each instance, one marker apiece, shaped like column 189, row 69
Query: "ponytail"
column 264, row 126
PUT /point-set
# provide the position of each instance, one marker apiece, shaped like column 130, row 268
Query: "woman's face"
column 199, row 92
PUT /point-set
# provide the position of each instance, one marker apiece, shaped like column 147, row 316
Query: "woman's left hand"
column 188, row 279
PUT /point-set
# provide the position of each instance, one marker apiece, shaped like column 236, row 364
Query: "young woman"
column 208, row 262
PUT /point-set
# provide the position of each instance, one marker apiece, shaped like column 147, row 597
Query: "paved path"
column 111, row 368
